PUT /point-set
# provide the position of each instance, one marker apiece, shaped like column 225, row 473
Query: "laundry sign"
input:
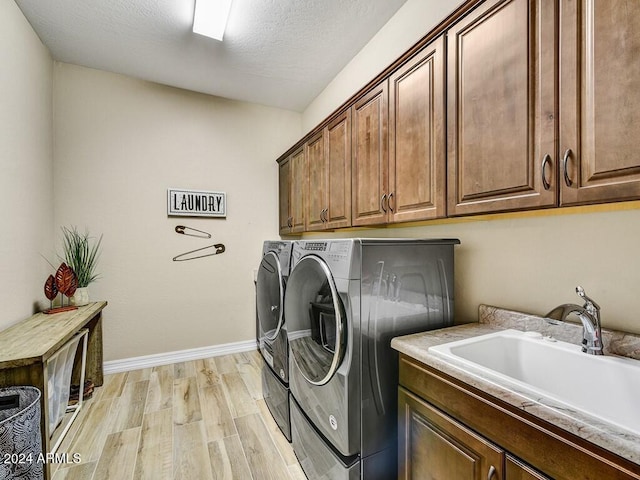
column 196, row 203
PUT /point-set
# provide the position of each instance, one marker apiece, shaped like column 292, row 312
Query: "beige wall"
column 26, row 215
column 410, row 23
column 533, row 262
column 119, row 144
column 525, row 262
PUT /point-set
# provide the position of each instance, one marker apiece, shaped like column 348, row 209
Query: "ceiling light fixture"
column 210, row 17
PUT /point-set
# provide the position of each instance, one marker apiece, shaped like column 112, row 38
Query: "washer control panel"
column 336, row 253
column 315, row 246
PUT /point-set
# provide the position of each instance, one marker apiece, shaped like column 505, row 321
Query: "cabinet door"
column 317, row 185
column 370, row 157
column 501, row 107
column 518, row 470
column 600, row 101
column 431, row 445
column 298, row 190
column 417, row 142
column 338, row 154
column 284, row 195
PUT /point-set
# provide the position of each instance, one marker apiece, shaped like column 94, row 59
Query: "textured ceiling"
column 280, row 53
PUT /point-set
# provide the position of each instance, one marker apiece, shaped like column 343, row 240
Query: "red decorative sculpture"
column 65, row 282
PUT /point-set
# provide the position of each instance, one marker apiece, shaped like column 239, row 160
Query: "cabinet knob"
column 565, row 161
column 545, row 161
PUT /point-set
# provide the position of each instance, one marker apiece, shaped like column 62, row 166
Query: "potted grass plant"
column 81, row 253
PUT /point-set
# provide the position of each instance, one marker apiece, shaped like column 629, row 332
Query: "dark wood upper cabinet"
column 292, row 183
column 600, row 101
column 328, row 156
column 329, row 162
column 338, row 157
column 298, row 190
column 501, row 104
column 506, row 105
column 399, row 144
column 370, row 156
column 284, row 195
column 417, row 141
column 316, row 196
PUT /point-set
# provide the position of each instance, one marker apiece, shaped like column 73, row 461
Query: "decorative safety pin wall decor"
column 181, row 229
column 185, row 256
column 218, row 246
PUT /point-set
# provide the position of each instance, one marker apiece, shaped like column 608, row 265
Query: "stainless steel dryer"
column 344, row 302
column 271, row 329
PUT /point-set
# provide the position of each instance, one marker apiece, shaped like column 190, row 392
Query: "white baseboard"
column 146, row 361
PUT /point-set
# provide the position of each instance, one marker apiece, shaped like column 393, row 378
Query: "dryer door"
column 270, row 295
column 316, row 324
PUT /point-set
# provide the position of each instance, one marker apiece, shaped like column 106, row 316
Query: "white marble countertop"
column 623, row 443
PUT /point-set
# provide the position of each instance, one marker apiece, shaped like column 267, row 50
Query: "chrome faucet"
column 589, row 315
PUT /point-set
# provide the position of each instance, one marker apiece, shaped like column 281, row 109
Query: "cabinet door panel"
column 298, row 190
column 600, row 100
column 501, row 107
column 284, row 195
column 370, row 157
column 417, row 143
column 434, row 446
column 316, row 189
column 338, row 147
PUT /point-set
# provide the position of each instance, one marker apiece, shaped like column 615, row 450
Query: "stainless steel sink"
column 606, row 387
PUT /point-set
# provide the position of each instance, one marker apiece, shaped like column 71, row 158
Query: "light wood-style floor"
column 199, row 420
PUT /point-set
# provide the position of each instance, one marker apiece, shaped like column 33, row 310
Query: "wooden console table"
column 26, row 346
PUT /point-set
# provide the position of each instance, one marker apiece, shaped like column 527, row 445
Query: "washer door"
column 270, row 296
column 316, row 324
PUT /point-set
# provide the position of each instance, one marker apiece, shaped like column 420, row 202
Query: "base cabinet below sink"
column 450, row 430
column 434, row 446
column 516, row 470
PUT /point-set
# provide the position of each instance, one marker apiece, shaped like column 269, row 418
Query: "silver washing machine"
column 271, row 329
column 344, row 302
